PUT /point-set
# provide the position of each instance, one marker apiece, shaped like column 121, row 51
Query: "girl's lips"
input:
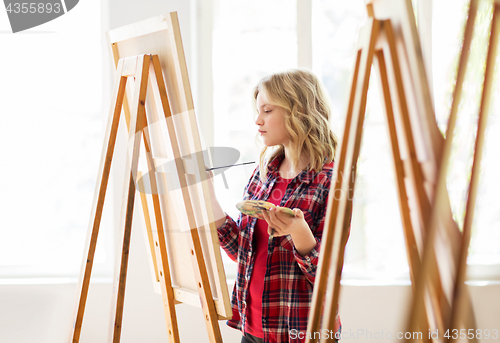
column 261, row 132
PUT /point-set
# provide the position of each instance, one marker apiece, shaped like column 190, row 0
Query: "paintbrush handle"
column 240, row 164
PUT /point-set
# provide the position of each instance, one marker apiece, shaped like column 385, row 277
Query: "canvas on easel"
column 173, row 188
column 161, row 35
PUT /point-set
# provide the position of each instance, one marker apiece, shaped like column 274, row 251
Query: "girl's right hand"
column 219, row 214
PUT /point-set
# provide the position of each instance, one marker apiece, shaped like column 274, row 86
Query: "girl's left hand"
column 281, row 225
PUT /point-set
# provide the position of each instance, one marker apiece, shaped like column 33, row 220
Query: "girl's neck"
column 286, row 169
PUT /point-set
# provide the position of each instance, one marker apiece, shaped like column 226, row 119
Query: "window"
column 252, row 39
column 51, row 139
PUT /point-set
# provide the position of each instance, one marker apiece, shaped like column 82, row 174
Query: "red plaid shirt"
column 288, row 284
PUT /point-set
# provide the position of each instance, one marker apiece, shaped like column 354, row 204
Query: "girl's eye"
column 268, row 111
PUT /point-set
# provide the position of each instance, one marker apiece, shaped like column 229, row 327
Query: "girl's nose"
column 258, row 120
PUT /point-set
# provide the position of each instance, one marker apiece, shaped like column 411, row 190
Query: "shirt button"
column 264, row 320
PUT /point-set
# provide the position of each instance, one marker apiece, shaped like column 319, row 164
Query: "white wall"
column 368, row 312
column 42, row 313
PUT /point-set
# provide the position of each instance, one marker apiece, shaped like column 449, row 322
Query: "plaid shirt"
column 288, row 284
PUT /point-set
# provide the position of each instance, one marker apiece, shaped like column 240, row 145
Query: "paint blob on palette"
column 254, row 208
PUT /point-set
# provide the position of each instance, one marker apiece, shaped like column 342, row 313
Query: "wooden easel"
column 141, row 67
column 417, row 149
column 460, row 304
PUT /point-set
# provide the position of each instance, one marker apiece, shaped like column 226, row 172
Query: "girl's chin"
column 268, row 144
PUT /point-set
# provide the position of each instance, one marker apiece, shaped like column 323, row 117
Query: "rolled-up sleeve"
column 315, row 216
column 228, row 237
column 309, row 263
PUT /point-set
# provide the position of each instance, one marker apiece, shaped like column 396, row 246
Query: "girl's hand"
column 281, row 225
column 219, row 214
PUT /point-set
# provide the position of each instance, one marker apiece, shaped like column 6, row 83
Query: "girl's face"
column 270, row 121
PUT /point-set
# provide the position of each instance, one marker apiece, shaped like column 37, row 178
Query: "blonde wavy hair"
column 306, row 108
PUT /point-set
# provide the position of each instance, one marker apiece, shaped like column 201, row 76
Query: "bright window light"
column 447, row 40
column 248, row 44
column 50, row 142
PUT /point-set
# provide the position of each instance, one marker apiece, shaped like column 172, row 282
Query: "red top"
column 256, row 285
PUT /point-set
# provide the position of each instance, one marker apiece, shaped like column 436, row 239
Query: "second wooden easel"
column 458, row 319
column 390, row 40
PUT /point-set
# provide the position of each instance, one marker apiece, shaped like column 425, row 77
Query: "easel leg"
column 341, row 219
column 98, row 203
column 320, row 283
column 408, row 229
column 137, row 122
column 411, row 245
column 159, row 238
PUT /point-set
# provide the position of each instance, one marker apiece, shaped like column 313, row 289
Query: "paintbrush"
column 234, row 165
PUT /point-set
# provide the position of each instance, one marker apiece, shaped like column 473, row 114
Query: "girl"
column 276, row 273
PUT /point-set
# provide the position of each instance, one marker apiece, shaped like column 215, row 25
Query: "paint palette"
column 254, row 208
